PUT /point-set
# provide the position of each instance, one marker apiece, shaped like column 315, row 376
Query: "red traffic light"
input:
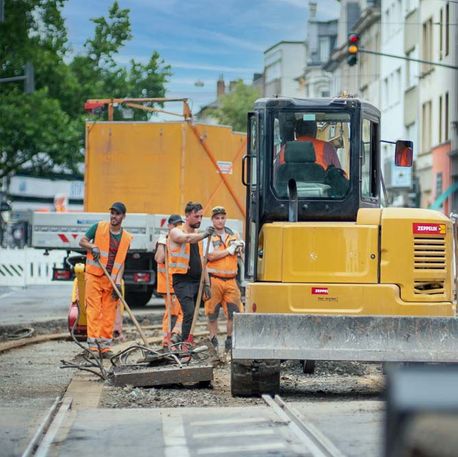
column 353, row 38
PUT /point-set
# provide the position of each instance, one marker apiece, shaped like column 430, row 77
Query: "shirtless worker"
column 186, row 262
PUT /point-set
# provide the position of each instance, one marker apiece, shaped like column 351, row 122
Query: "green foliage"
column 34, row 144
column 233, row 107
column 45, row 130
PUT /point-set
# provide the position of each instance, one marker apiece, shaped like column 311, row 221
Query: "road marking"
column 6, row 295
column 174, row 437
column 242, row 448
column 222, row 434
column 234, row 420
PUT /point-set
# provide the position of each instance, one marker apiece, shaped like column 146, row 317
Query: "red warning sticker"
column 320, row 291
column 420, row 228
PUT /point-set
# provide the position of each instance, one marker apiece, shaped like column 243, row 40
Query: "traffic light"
column 352, row 49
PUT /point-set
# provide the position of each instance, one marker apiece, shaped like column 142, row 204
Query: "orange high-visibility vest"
column 227, row 266
column 179, row 258
column 161, row 286
column 102, row 241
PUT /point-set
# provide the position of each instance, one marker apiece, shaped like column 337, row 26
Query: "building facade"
column 284, row 63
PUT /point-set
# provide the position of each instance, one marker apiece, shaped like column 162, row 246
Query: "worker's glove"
column 95, row 253
column 240, row 245
column 162, row 239
column 209, row 231
column 114, row 294
column 207, row 292
column 231, row 249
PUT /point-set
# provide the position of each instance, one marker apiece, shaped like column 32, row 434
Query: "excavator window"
column 314, row 150
column 369, row 160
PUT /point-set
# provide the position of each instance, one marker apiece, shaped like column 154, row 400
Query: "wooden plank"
column 159, row 376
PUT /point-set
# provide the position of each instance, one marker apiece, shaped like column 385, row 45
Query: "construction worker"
column 325, row 152
column 107, row 243
column 225, row 246
column 186, row 262
column 175, row 309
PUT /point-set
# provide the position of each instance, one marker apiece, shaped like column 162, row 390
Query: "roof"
column 284, row 42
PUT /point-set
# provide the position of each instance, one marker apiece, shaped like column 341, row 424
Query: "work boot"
column 107, row 354
column 176, row 338
column 214, row 341
column 228, row 344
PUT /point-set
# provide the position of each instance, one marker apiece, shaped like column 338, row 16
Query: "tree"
column 45, row 130
column 98, row 74
column 234, row 106
column 35, row 129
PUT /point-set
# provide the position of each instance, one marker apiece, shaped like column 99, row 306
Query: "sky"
column 200, row 39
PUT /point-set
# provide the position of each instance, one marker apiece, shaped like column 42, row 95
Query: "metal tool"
column 168, row 301
column 126, row 306
column 199, row 293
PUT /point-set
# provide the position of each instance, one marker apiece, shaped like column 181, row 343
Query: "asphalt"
column 43, row 303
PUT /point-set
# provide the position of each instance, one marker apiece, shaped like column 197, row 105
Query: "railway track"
column 275, row 429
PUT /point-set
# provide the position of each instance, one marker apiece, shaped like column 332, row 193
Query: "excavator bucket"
column 357, row 338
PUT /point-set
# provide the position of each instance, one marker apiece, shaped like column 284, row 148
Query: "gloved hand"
column 231, row 249
column 114, row 294
column 209, row 231
column 241, row 244
column 95, row 253
column 207, row 292
column 162, row 239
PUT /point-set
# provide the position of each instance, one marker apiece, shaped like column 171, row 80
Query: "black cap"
column 119, row 207
column 175, row 219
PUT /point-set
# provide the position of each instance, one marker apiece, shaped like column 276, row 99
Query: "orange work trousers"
column 100, row 311
column 177, row 317
column 226, row 295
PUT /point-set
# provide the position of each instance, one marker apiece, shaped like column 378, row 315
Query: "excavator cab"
column 331, row 274
column 309, row 160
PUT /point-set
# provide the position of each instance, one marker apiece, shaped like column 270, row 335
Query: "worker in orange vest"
column 325, row 152
column 107, row 243
column 185, row 264
column 175, row 309
column 225, row 246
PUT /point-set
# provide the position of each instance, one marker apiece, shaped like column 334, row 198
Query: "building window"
column 440, row 119
column 447, row 28
column 439, row 184
column 411, row 68
column 398, row 86
column 427, row 48
column 324, row 49
column 446, row 137
column 441, row 33
column 426, row 127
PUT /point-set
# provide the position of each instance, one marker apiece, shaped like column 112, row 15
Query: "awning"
column 442, row 197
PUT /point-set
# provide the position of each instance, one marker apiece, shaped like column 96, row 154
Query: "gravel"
column 350, row 379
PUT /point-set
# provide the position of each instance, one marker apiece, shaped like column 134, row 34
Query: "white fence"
column 23, row 267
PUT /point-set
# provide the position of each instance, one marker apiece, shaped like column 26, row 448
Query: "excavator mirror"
column 403, row 156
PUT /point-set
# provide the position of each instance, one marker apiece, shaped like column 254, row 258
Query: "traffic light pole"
column 28, row 78
column 427, row 62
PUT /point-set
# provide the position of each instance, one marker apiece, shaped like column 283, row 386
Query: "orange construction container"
column 157, row 167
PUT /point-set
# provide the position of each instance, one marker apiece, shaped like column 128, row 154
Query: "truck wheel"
column 308, row 366
column 255, row 377
column 138, row 298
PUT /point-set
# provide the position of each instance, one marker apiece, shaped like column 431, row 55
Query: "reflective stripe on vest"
column 102, row 241
column 179, row 258
column 225, row 267
column 161, row 286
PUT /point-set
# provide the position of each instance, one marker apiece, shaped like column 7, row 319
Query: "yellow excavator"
column 331, row 273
